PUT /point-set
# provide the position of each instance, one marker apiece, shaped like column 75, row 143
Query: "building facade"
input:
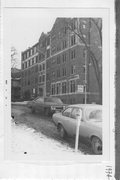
column 64, row 67
column 15, row 84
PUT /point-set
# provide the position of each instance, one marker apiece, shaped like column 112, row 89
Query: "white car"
column 90, row 127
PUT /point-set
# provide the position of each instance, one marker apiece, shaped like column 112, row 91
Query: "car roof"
column 86, row 105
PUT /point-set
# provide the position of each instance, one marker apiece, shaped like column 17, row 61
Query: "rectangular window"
column 40, row 79
column 53, row 89
column 40, row 68
column 53, row 74
column 29, row 63
column 64, row 71
column 43, row 66
column 64, row 44
column 72, row 86
column 73, row 54
column 48, row 53
column 32, row 61
column 64, row 58
column 23, row 66
column 58, row 88
column 58, row 59
column 73, row 40
column 58, row 73
column 43, row 78
column 64, row 87
column 73, row 69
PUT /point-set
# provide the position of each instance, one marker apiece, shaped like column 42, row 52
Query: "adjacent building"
column 60, row 65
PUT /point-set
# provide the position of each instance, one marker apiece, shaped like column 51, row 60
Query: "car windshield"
column 95, row 114
column 54, row 100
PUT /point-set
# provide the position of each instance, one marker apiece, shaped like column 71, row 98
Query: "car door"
column 65, row 120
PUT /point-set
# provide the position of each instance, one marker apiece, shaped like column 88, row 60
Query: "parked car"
column 90, row 127
column 48, row 105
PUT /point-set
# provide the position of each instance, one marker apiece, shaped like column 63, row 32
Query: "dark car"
column 48, row 105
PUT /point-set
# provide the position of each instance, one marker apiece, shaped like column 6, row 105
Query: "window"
column 48, row 53
column 64, row 71
column 53, row 74
column 96, row 115
column 64, row 44
column 36, row 80
column 64, row 58
column 73, row 54
column 73, row 25
column 58, row 59
column 40, row 67
column 58, row 47
column 73, row 40
column 43, row 78
column 72, row 86
column 23, row 66
column 58, row 73
column 73, row 69
column 75, row 112
column 36, row 68
column 64, row 87
column 32, row 61
column 29, row 63
column 58, row 87
column 53, row 89
column 36, row 59
column 67, row 112
column 43, row 66
column 40, row 79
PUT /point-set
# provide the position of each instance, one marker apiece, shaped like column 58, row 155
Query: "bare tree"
column 14, row 58
column 97, row 22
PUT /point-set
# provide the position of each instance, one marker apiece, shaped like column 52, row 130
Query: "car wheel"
column 61, row 131
column 96, row 145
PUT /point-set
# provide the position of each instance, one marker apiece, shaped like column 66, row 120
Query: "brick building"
column 29, row 83
column 63, row 67
column 68, row 65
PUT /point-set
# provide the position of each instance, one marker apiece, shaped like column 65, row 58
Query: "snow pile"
column 28, row 145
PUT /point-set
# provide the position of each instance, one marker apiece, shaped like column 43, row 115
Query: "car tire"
column 96, row 145
column 61, row 131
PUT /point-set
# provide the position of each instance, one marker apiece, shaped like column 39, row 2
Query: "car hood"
column 96, row 123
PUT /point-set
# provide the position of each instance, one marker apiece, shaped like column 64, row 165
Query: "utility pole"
column 85, row 76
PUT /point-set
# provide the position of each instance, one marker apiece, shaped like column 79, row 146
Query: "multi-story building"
column 63, row 64
column 29, row 83
column 70, row 72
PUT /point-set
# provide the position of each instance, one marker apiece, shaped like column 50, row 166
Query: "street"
column 34, row 134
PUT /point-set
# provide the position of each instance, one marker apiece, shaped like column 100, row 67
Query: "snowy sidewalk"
column 28, row 145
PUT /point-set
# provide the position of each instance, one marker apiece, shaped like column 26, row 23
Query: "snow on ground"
column 28, row 145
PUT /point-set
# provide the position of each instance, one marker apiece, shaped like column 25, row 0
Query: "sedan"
column 90, row 127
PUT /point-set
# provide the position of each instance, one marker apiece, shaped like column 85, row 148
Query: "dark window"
column 64, row 57
column 58, row 86
column 73, row 54
column 64, row 44
column 53, row 89
column 40, row 68
column 48, row 53
column 73, row 40
column 64, row 87
column 64, row 71
column 43, row 66
column 43, row 78
column 58, row 73
column 72, row 86
column 53, row 74
column 58, row 59
column 73, row 69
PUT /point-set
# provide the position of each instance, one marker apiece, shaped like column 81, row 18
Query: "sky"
column 24, row 27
